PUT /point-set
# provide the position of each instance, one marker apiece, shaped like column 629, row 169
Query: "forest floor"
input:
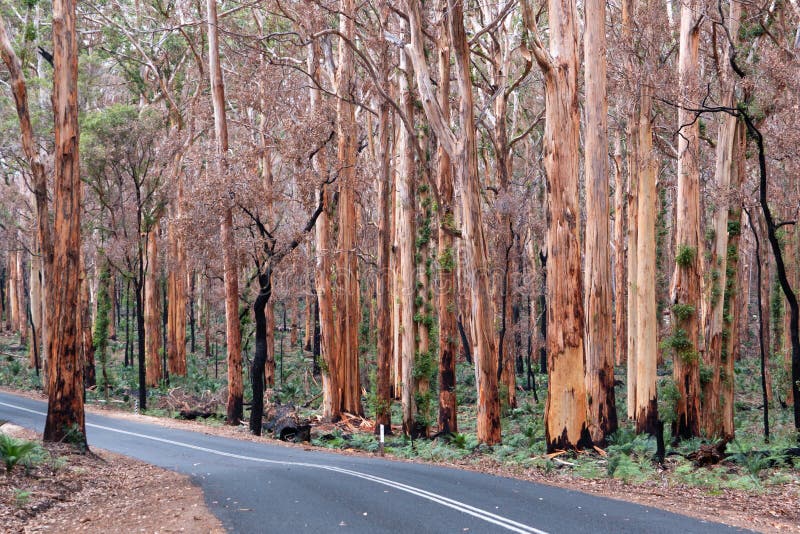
column 70, row 491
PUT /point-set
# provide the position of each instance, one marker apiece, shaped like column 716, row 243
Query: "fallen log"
column 286, row 425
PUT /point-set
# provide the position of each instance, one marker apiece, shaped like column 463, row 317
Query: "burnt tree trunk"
column 257, row 379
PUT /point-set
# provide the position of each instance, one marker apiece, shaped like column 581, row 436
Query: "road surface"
column 255, row 487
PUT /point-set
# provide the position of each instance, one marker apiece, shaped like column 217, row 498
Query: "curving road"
column 256, row 487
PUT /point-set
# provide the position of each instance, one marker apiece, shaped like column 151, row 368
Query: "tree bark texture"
column 632, row 134
column 152, row 330
column 406, row 275
column 597, row 270
column 713, row 411
column 65, row 413
column 177, row 291
column 323, row 267
column 85, row 329
column 566, row 411
column 476, row 264
column 383, row 412
column 733, row 287
column 43, row 264
column 448, row 330
column 230, row 265
column 348, row 309
column 646, row 414
column 620, row 261
column 687, row 278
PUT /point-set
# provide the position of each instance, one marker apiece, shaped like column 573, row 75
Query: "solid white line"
column 479, row 513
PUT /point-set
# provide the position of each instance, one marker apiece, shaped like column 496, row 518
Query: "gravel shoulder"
column 98, row 492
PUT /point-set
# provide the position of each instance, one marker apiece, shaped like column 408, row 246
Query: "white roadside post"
column 380, row 445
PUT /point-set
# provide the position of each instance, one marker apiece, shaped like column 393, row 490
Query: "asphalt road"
column 259, row 488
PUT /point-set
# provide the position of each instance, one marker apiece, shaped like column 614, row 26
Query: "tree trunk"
column 733, row 300
column 293, row 327
column 140, row 336
column 566, row 411
column 762, row 328
column 632, row 134
column 448, row 330
column 257, row 375
column 686, row 283
column 176, row 289
column 463, row 152
column 152, row 330
column 230, row 266
column 713, row 412
column 323, row 268
column 347, row 287
column 780, row 265
column 383, row 412
column 269, row 308
column 37, row 308
column 65, row 415
column 308, row 324
column 476, row 263
column 404, row 237
column 85, row 329
column 793, row 274
column 620, row 259
column 647, row 321
column 114, row 309
column 597, row 272
column 22, row 295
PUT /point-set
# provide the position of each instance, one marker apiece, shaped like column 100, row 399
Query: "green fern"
column 14, row 451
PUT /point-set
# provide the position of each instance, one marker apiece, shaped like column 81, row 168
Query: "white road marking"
column 504, row 522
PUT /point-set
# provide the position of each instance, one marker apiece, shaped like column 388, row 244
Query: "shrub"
column 685, row 255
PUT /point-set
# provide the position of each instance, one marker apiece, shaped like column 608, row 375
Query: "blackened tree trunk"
column 761, row 329
column 257, row 379
column 140, row 338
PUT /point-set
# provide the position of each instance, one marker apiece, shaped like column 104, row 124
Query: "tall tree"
column 715, row 412
column 65, row 415
column 686, row 281
column 177, row 282
column 566, row 411
column 405, row 272
column 597, row 271
column 347, row 288
column 646, row 406
column 632, row 212
column 448, row 334
column 230, row 266
column 462, row 150
column 384, row 296
column 152, row 311
column 620, row 260
column 43, row 237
